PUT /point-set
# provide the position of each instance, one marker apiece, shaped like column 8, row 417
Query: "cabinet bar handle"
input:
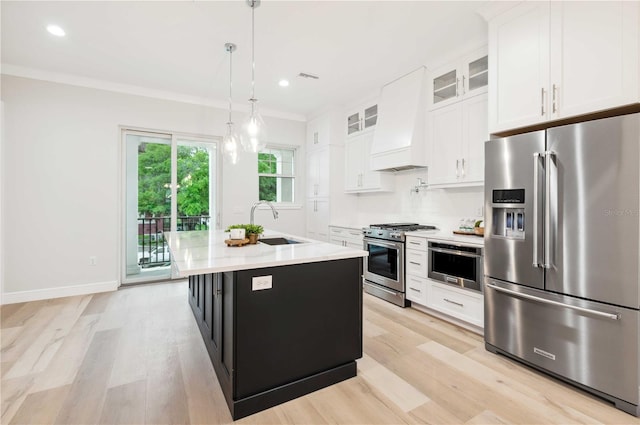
column 453, row 302
column 414, row 289
column 553, row 97
column 612, row 316
column 415, row 243
column 457, row 168
column 413, row 262
column 542, row 101
column 463, row 90
column 462, row 167
column 457, row 84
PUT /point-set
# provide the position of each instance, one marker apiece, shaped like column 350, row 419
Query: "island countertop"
column 204, row 251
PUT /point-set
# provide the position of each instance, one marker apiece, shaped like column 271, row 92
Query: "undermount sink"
column 279, row 241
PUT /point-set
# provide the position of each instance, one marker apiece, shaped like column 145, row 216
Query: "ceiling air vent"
column 305, row 75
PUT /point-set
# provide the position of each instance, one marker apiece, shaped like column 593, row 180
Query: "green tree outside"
column 154, row 178
column 267, row 185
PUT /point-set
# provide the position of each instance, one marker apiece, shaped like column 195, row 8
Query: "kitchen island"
column 278, row 321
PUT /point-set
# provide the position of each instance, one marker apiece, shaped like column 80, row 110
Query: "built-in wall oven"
column 384, row 268
column 456, row 264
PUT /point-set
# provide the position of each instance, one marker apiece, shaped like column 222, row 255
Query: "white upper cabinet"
column 550, row 61
column 519, row 66
column 594, row 56
column 457, row 134
column 362, row 118
column 459, row 80
column 358, row 175
column 319, row 132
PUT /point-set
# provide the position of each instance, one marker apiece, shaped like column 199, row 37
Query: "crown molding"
column 77, row 80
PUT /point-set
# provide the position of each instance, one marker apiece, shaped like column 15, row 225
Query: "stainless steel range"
column 384, row 268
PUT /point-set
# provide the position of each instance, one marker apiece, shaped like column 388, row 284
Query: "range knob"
column 396, row 235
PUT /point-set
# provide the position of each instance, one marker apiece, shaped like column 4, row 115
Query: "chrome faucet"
column 253, row 210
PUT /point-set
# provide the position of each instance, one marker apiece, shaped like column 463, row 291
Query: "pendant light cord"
column 253, row 59
column 230, row 83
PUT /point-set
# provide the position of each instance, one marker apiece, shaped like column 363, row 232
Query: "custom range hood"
column 398, row 141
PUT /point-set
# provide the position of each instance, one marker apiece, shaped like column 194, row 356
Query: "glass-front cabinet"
column 362, row 118
column 459, row 80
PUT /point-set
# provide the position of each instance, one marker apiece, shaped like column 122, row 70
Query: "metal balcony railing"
column 152, row 246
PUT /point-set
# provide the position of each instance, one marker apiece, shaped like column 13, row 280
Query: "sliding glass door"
column 170, row 184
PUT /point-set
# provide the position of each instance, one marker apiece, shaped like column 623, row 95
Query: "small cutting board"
column 236, row 242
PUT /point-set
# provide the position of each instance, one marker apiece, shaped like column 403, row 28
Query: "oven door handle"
column 388, row 291
column 395, row 245
column 462, row 253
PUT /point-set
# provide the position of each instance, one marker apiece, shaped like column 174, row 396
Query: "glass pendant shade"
column 231, row 145
column 254, row 130
column 254, row 134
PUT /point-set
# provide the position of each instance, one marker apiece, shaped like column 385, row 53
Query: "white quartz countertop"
column 204, row 251
column 448, row 237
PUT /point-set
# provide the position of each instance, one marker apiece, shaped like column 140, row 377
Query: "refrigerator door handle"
column 612, row 316
column 536, row 160
column 547, row 209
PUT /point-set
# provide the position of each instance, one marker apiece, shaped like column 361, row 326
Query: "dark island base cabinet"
column 272, row 343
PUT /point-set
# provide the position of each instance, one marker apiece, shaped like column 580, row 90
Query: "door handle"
column 536, row 161
column 547, row 209
column 612, row 316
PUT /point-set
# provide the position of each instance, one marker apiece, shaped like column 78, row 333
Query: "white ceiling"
column 178, row 46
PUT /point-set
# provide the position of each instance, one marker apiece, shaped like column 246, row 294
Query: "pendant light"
column 254, row 134
column 230, row 141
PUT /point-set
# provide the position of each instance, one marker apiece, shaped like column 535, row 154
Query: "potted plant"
column 253, row 231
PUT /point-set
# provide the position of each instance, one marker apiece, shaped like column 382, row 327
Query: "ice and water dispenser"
column 508, row 222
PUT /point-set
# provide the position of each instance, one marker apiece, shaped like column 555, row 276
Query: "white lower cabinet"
column 416, row 289
column 459, row 303
column 416, row 269
column 346, row 236
column 416, row 263
column 318, row 219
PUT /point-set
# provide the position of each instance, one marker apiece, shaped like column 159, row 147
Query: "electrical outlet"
column 259, row 283
column 479, row 211
column 93, row 260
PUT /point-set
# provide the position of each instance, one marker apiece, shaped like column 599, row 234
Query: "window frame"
column 279, row 176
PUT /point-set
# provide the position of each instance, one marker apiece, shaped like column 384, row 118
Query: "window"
column 276, row 174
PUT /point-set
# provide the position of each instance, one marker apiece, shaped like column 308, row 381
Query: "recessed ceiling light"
column 283, row 83
column 56, row 30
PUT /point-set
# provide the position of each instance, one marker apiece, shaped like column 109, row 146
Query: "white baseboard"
column 64, row 291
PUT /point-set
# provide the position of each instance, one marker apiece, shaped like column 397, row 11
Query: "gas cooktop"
column 394, row 231
column 406, row 227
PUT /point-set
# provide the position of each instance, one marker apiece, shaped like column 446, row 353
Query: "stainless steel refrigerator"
column 562, row 253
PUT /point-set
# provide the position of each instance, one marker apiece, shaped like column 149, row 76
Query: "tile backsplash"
column 441, row 207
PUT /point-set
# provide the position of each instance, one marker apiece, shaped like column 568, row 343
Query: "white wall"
column 61, row 170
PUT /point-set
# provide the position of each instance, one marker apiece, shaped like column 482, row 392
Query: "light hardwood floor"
column 135, row 356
